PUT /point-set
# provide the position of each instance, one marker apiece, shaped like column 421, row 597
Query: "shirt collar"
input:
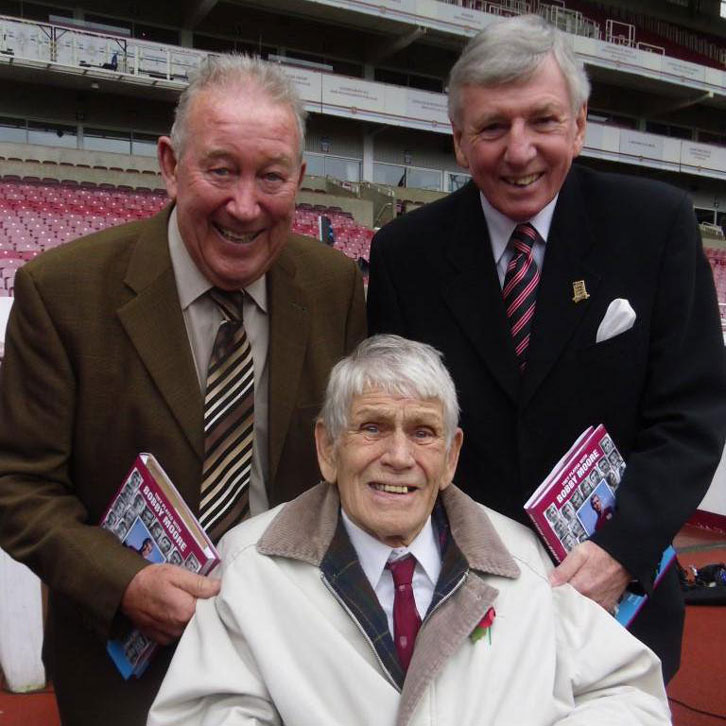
column 373, row 554
column 190, row 282
column 501, row 227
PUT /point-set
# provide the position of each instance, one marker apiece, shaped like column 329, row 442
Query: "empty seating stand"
column 38, row 214
column 351, row 238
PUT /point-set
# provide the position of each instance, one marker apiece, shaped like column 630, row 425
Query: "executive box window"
column 410, row 80
column 391, row 174
column 676, row 132
column 143, row 144
column 337, row 167
column 455, row 180
column 13, row 130
column 412, row 177
column 417, row 178
column 101, row 140
column 52, row 135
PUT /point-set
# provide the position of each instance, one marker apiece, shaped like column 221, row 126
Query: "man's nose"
column 520, row 146
column 398, row 452
column 243, row 203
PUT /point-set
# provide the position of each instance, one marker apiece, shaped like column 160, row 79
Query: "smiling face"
column 518, row 140
column 390, row 463
column 146, row 548
column 235, row 183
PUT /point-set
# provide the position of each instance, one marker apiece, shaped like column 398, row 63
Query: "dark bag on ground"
column 705, row 585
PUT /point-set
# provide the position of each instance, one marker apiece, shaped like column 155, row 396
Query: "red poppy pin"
column 485, row 626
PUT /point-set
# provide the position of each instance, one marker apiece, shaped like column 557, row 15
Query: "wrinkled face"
column 235, row 183
column 518, row 140
column 390, row 463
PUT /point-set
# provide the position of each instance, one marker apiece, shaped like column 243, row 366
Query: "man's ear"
column 303, row 168
column 581, row 126
column 326, row 453
column 452, row 458
column 167, row 163
column 461, row 159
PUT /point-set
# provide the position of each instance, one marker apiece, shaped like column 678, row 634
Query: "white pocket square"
column 619, row 317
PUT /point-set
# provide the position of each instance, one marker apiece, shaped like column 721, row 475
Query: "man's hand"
column 594, row 573
column 160, row 600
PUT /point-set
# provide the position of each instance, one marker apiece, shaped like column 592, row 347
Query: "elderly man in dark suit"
column 107, row 354
column 562, row 297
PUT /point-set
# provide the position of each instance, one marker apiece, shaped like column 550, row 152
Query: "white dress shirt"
column 202, row 318
column 501, row 228
column 374, row 554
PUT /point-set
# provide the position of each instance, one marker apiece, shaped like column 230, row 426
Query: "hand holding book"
column 575, row 500
column 160, row 600
column 593, row 573
column 149, row 516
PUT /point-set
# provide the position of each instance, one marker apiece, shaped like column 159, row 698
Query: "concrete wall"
column 361, row 209
column 96, row 166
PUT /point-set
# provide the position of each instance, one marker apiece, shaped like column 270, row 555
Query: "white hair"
column 396, row 366
column 230, row 72
column 511, row 50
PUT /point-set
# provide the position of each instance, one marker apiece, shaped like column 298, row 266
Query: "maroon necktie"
column 406, row 620
column 520, row 289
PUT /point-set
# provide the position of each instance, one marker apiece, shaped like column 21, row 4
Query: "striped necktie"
column 520, row 289
column 228, row 421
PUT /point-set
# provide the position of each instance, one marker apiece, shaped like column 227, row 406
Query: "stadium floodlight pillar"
column 186, row 38
column 367, row 164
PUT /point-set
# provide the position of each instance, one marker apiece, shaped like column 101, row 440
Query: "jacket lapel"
column 309, row 528
column 557, row 314
column 475, row 549
column 306, row 529
column 289, row 331
column 473, row 292
column 154, row 323
column 342, row 571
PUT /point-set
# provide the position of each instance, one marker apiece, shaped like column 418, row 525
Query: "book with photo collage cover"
column 148, row 515
column 578, row 497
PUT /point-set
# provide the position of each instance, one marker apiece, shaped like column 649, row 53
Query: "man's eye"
column 273, row 177
column 370, row 428
column 220, row 171
column 492, row 129
column 545, row 120
column 423, row 433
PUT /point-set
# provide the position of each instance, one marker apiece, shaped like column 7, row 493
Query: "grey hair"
column 511, row 50
column 395, row 366
column 228, row 72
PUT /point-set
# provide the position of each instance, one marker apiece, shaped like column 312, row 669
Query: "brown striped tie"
column 520, row 289
column 228, row 421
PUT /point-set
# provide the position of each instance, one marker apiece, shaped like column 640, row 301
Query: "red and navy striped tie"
column 520, row 289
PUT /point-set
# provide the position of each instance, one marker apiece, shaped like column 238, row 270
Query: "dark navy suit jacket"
column 659, row 388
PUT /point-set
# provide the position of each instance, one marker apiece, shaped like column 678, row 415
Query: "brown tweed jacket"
column 97, row 368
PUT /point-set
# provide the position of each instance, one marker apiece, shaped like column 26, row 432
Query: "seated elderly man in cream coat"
column 309, row 630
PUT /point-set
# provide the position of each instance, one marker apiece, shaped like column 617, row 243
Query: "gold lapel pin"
column 579, row 291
